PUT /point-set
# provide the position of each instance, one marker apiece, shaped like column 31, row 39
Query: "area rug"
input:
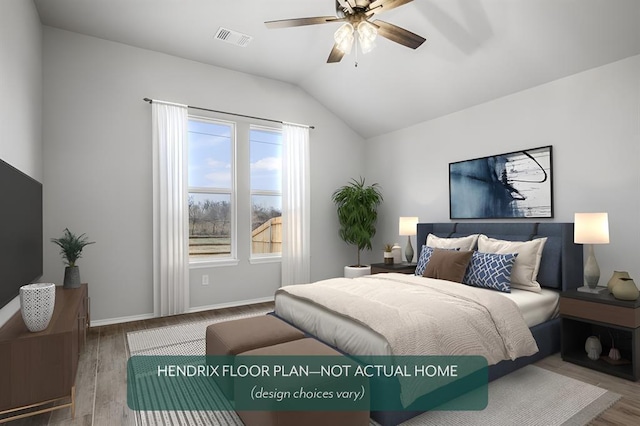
column 530, row 396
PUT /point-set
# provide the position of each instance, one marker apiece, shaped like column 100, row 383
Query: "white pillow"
column 525, row 269
column 463, row 243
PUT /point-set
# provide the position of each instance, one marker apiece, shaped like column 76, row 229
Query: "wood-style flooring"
column 101, row 384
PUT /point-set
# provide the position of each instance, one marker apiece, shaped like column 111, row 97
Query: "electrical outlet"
column 205, row 280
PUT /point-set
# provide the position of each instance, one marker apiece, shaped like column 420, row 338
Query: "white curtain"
column 296, row 263
column 170, row 227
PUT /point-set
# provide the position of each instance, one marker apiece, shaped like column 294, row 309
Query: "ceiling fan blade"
column 399, row 35
column 352, row 3
column 378, row 6
column 335, row 55
column 299, row 22
column 346, row 6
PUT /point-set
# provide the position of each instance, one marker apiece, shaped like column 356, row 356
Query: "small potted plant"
column 388, row 254
column 71, row 250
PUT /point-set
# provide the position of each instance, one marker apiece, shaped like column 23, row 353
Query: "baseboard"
column 230, row 304
column 111, row 321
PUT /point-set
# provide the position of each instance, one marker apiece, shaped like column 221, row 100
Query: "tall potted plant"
column 357, row 206
column 71, row 250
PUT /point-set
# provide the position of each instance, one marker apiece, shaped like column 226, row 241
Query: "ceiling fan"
column 356, row 14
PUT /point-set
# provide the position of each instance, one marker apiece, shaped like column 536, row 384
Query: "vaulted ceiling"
column 476, row 50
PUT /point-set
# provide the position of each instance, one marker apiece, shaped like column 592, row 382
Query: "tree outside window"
column 210, row 181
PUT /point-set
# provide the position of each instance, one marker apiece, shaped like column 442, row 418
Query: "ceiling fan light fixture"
column 344, row 38
column 367, row 46
column 355, row 15
column 367, row 33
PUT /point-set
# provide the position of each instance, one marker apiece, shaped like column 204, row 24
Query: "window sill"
column 199, row 264
column 266, row 259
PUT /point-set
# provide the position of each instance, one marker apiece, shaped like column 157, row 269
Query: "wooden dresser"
column 37, row 368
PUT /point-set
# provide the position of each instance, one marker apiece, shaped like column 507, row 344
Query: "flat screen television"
column 21, row 239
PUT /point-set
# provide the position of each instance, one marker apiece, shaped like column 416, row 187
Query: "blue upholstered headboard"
column 561, row 265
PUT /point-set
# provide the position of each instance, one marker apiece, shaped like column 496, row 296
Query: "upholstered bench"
column 306, row 346
column 236, row 336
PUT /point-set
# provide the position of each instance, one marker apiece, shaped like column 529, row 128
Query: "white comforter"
column 422, row 316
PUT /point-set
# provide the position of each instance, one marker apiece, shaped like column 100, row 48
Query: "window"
column 265, row 147
column 211, row 181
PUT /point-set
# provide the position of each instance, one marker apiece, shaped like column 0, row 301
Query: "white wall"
column 97, row 166
column 592, row 120
column 21, row 90
column 97, row 138
column 21, row 87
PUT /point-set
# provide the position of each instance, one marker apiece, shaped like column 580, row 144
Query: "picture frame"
column 514, row 185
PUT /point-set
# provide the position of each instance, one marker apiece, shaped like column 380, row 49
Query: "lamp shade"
column 591, row 228
column 408, row 225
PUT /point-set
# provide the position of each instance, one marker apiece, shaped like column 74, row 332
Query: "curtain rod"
column 236, row 114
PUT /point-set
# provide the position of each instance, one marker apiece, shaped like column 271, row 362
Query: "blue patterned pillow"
column 425, row 255
column 490, row 270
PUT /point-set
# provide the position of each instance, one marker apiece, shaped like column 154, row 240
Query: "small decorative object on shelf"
column 626, row 290
column 36, row 305
column 615, row 279
column 388, row 254
column 593, row 347
column 614, row 353
column 71, row 250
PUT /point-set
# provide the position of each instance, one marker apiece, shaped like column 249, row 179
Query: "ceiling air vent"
column 233, row 37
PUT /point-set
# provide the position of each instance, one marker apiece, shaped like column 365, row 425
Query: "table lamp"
column 590, row 229
column 407, row 227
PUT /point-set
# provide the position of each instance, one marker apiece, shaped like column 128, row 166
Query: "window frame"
column 232, row 259
column 262, row 257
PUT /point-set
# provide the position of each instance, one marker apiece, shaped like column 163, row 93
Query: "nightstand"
column 602, row 315
column 400, row 268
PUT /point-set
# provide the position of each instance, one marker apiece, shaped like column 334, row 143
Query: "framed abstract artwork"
column 506, row 186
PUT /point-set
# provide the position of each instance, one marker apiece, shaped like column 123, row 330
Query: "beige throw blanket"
column 423, row 316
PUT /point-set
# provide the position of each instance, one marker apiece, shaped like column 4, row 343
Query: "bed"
column 560, row 269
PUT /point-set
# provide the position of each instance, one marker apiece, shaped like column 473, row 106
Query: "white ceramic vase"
column 616, row 279
column 625, row 289
column 593, row 347
column 36, row 305
column 397, row 253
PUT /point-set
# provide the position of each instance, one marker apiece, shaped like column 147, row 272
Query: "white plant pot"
column 36, row 305
column 355, row 271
